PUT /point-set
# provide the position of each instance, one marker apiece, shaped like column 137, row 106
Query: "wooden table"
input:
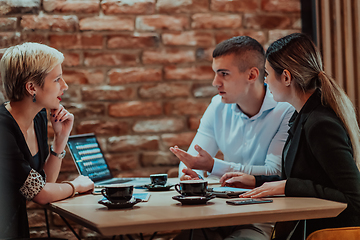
column 162, row 213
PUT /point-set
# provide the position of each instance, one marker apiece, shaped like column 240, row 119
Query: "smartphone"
column 249, row 201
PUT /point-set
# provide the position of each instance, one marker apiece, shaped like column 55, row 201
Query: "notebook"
column 90, row 161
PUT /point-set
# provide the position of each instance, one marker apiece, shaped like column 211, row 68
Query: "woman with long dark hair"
column 321, row 155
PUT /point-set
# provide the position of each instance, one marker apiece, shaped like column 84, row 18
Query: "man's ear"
column 286, row 78
column 30, row 88
column 253, row 74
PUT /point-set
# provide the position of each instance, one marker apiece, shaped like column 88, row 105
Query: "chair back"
column 348, row 233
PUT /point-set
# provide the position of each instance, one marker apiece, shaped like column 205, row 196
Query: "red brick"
column 255, row 21
column 105, row 93
column 158, row 125
column 34, row 37
column 136, row 40
column 182, row 6
column 76, row 41
column 167, row 56
column 194, row 73
column 212, row 21
column 123, row 162
column 134, row 75
column 260, row 36
column 132, row 143
column 62, row 233
column 135, row 108
column 182, row 140
column 104, row 23
column 201, row 90
column 36, row 218
column 8, row 39
column 50, row 22
column 71, row 95
column 164, row 90
column 67, row 165
column 204, row 54
column 8, row 24
column 189, row 38
column 281, row 5
column 194, row 122
column 88, row 110
column 23, row 6
column 101, row 127
column 297, row 24
column 71, row 59
column 128, row 6
column 82, row 76
column 234, row 5
column 68, row 6
column 149, row 159
column 276, row 34
column 110, row 59
column 186, row 107
column 162, row 22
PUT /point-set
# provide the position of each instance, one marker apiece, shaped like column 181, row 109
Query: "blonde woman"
column 321, row 154
column 32, row 79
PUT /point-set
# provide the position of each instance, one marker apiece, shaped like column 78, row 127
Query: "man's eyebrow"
column 222, row 70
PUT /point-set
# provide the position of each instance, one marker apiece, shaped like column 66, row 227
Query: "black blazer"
column 318, row 162
column 16, row 162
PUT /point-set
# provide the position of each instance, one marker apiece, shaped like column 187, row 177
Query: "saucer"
column 111, row 205
column 152, row 187
column 193, row 200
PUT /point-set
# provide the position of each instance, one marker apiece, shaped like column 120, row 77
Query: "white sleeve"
column 204, row 137
column 273, row 157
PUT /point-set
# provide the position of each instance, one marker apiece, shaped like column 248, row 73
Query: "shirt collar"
column 268, row 104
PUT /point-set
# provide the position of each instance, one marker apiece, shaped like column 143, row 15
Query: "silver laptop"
column 90, row 161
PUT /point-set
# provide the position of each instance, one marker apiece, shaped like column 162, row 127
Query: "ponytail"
column 334, row 96
column 299, row 55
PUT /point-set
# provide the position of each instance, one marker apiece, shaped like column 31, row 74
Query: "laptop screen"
column 88, row 157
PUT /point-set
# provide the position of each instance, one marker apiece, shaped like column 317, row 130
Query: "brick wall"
column 139, row 71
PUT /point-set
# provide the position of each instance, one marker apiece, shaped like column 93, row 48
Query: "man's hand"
column 189, row 175
column 238, row 179
column 203, row 161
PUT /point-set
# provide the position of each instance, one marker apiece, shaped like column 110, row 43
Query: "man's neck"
column 252, row 104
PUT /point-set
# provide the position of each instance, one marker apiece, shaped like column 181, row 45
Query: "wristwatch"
column 59, row 155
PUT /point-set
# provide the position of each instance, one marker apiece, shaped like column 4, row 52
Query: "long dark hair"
column 299, row 55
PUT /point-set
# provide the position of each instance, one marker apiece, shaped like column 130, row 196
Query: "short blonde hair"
column 26, row 62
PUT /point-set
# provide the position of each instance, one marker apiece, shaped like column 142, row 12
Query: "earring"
column 34, row 97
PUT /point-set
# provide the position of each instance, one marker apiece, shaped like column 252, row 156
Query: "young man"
column 243, row 121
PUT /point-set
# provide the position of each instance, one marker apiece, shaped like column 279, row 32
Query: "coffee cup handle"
column 177, row 188
column 103, row 193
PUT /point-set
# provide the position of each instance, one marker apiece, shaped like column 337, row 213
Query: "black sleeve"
column 14, row 166
column 260, row 180
column 331, row 147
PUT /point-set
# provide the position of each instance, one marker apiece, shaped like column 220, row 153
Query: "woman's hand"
column 238, row 179
column 267, row 189
column 62, row 121
column 83, row 184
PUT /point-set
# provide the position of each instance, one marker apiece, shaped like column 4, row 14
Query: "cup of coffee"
column 159, row 179
column 192, row 187
column 118, row 192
